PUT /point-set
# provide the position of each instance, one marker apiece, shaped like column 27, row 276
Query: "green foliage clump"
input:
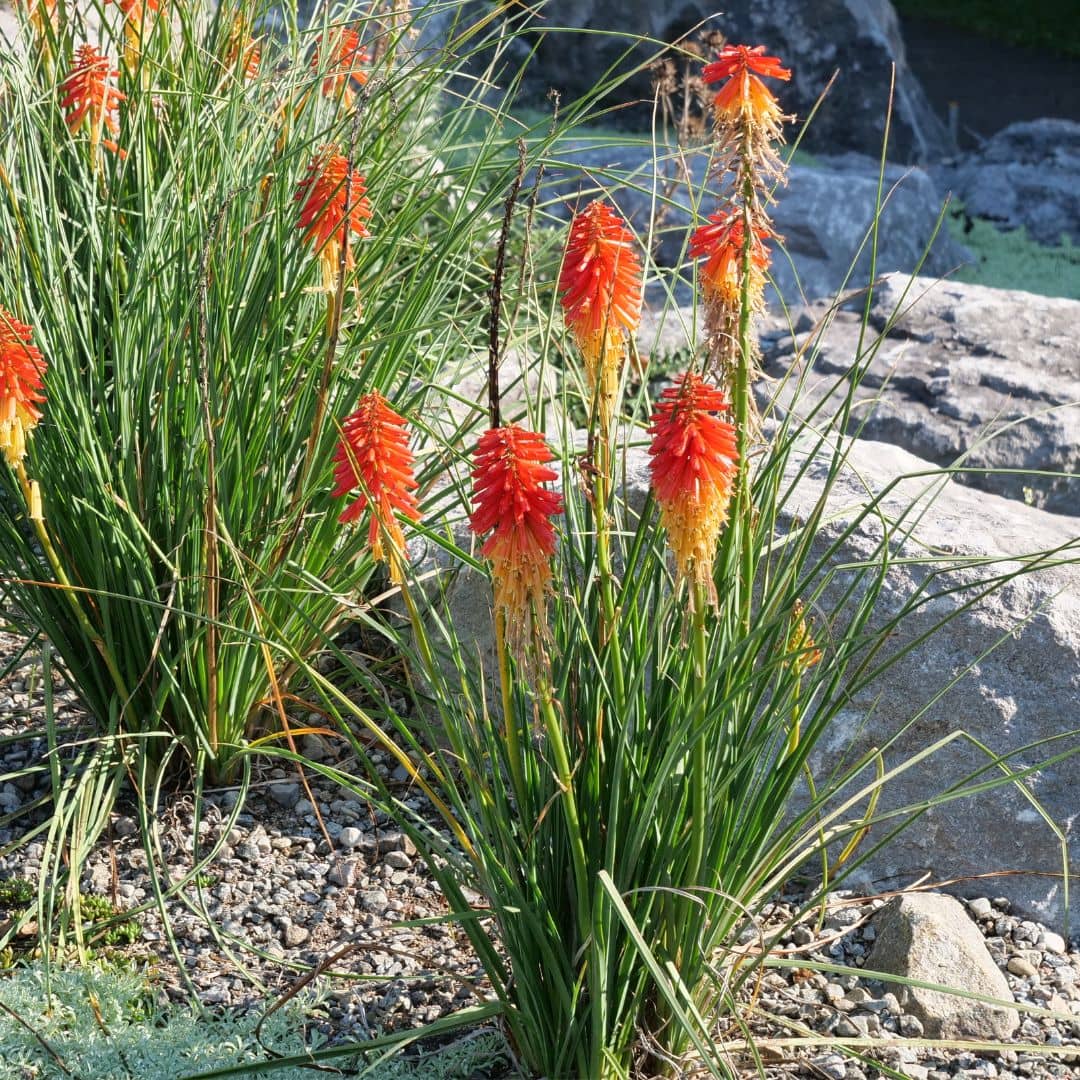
column 1012, row 260
column 16, row 893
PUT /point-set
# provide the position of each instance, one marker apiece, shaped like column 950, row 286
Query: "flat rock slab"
column 985, row 378
column 930, row 938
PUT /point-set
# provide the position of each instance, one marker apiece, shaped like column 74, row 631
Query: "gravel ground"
column 278, row 900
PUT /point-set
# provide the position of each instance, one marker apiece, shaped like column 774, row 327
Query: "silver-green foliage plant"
column 104, row 1024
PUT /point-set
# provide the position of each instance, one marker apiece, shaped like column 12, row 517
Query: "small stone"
column 125, row 826
column 847, row 1029
column 915, row 1072
column 295, row 935
column 911, row 1026
column 398, row 860
column 343, row 873
column 303, row 808
column 1052, row 943
column 802, row 935
column 980, row 907
column 929, row 937
column 375, row 900
column 350, row 837
column 832, row 1066
column 1022, row 968
column 286, row 795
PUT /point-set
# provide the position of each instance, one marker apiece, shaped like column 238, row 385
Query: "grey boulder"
column 963, row 371
column 929, row 938
column 1025, row 176
column 860, row 39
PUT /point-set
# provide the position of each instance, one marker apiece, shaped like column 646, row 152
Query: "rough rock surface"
column 930, row 938
column 1015, row 659
column 860, row 38
column 1025, row 176
column 824, row 213
column 990, row 374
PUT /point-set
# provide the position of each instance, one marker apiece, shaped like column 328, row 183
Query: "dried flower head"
column 333, row 204
column 600, row 285
column 373, row 455
column 88, row 96
column 21, row 369
column 747, row 116
column 800, row 643
column 343, row 59
column 694, row 462
column 509, row 500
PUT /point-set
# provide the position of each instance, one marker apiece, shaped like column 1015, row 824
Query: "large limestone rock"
column 1026, row 175
column 860, row 38
column 990, row 374
column 1005, row 671
column 929, row 938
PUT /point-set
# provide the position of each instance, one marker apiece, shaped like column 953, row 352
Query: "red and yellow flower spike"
column 88, row 96
column 343, row 58
column 21, row 369
column 510, row 468
column 333, row 204
column 720, row 241
column 694, row 462
column 373, row 455
column 600, row 283
column 744, row 97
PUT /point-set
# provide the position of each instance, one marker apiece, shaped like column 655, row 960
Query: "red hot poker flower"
column 333, row 203
column 87, row 94
column 509, row 500
column 344, row 62
column 600, row 285
column 373, row 455
column 21, row 369
column 720, row 241
column 739, row 59
column 744, row 96
column 694, row 462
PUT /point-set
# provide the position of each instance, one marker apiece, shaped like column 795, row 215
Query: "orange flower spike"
column 373, row 455
column 21, row 369
column 87, row 94
column 41, row 13
column 242, row 50
column 333, row 203
column 744, row 94
column 344, row 63
column 720, row 241
column 509, row 500
column 600, row 285
column 694, row 463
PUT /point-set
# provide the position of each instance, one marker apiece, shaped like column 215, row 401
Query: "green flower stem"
column 601, row 493
column 66, row 587
column 698, row 765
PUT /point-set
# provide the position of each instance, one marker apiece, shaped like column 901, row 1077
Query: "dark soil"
column 994, row 84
